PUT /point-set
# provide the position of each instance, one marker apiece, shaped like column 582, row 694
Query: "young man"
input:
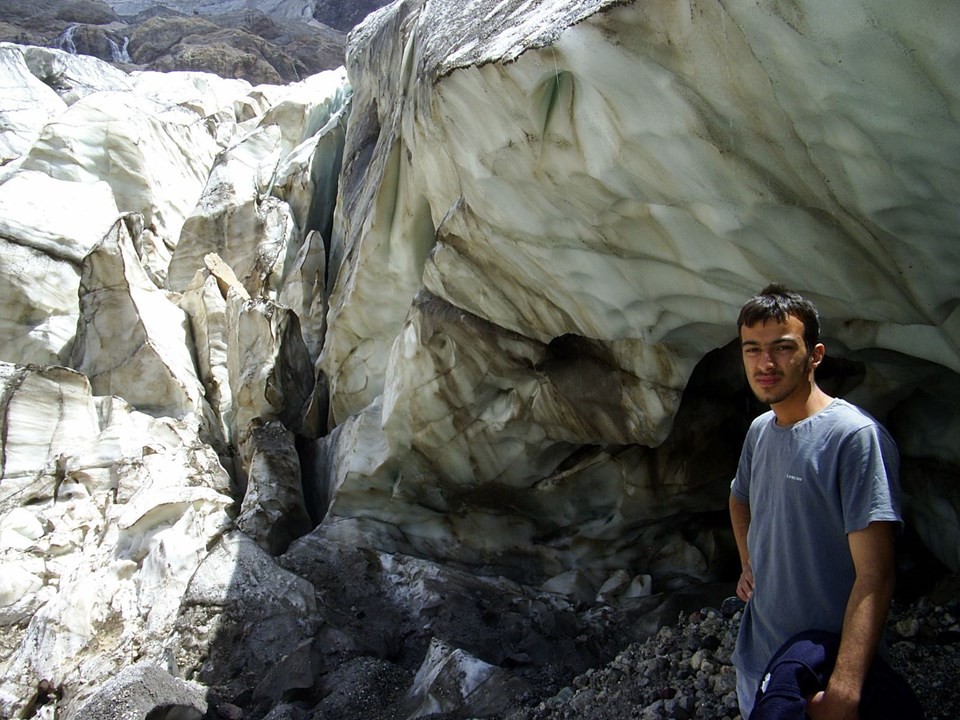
column 814, row 506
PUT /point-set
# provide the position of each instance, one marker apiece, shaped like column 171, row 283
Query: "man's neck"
column 794, row 409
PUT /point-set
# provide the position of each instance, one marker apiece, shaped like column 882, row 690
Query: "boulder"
column 245, row 619
column 273, row 512
column 145, row 690
column 451, row 681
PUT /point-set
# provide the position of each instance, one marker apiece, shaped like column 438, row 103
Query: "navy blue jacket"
column 802, row 667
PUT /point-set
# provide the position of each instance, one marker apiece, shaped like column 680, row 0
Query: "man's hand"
column 745, row 584
column 831, row 705
column 872, row 550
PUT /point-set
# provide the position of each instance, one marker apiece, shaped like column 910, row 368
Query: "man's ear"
column 816, row 355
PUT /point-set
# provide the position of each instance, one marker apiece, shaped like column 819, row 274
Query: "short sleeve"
column 869, row 479
column 740, row 487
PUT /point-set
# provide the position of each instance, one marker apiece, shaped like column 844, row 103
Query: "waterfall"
column 65, row 41
column 118, row 53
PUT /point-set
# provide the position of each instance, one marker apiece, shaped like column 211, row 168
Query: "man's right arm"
column 740, row 519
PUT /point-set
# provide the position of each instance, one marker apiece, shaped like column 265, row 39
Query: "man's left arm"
column 872, row 550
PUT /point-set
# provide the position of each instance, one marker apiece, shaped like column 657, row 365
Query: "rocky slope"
column 233, row 41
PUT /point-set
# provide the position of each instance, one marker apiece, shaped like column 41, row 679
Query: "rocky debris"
column 685, row 671
column 924, row 638
column 246, row 627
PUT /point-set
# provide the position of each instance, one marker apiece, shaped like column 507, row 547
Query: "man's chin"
column 767, row 397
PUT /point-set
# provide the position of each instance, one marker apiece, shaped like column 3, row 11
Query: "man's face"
column 776, row 360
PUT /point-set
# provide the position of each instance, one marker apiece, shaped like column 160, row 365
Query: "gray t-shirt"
column 808, row 485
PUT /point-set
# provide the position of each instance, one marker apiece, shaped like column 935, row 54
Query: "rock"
column 275, row 44
column 227, row 53
column 907, row 627
column 362, row 687
column 273, row 511
column 451, row 681
column 89, row 12
column 47, row 18
column 243, row 616
column 156, row 36
column 145, row 690
column 96, row 41
column 396, row 604
column 298, row 9
column 344, row 14
column 643, row 680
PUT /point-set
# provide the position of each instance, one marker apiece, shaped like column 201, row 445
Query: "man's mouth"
column 766, row 380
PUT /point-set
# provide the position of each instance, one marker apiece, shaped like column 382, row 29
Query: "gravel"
column 684, row 671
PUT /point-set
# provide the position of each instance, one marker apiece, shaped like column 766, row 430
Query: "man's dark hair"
column 775, row 302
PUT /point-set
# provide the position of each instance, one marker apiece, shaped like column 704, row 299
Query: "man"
column 814, row 506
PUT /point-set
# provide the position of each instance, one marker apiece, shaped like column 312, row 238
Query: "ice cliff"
column 427, row 362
